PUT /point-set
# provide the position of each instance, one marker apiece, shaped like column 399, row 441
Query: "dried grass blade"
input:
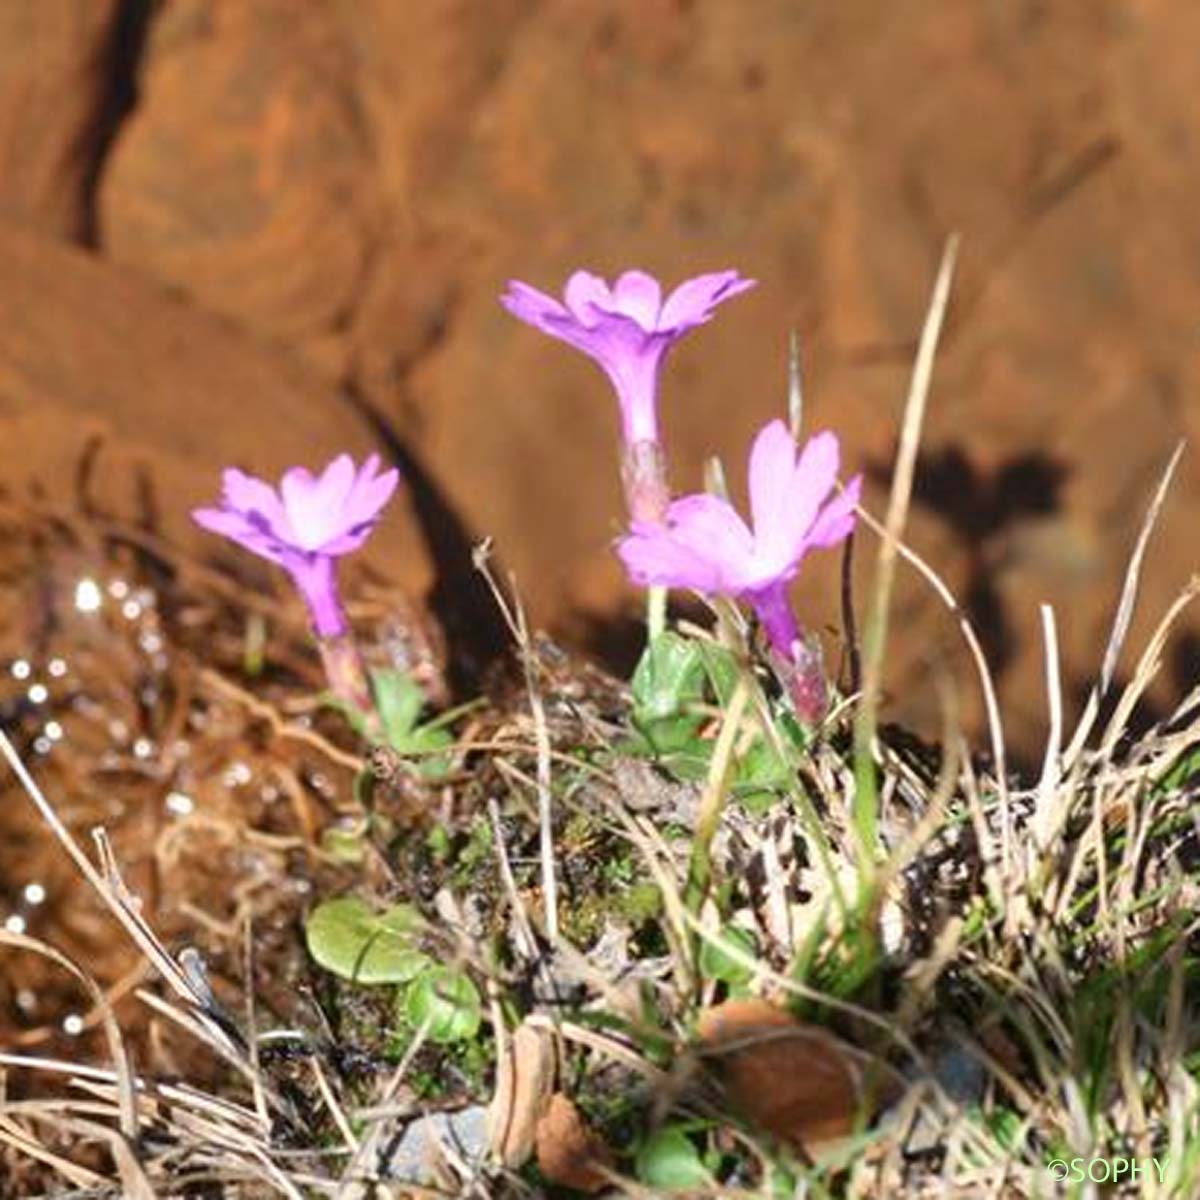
column 111, row 888
column 875, row 636
column 1125, row 607
column 122, row 1072
column 1048, row 802
column 16, row 1136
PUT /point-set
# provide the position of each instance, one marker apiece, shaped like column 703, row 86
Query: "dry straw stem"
column 1048, row 790
column 990, row 700
column 214, row 1137
column 514, row 617
column 1124, row 614
column 712, row 801
column 125, row 907
column 795, row 387
column 898, row 503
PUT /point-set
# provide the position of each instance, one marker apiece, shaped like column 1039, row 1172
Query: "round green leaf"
column 669, row 1160
column 345, row 936
column 446, row 1003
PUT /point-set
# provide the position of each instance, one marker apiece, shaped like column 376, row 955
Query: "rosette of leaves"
column 678, row 687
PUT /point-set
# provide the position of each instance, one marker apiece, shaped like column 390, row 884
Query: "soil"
column 117, row 691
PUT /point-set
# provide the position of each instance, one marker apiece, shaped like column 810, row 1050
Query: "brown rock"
column 101, row 367
column 55, row 93
column 244, row 177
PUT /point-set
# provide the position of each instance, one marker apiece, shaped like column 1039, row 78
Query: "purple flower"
column 706, row 546
column 305, row 525
column 627, row 328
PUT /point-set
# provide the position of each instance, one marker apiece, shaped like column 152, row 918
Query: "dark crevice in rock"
column 118, row 65
column 476, row 635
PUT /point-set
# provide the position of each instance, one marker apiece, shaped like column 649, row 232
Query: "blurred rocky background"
column 261, row 231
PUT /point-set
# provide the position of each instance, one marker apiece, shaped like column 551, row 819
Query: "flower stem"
column 795, row 657
column 644, row 475
column 656, row 612
column 802, row 675
column 346, row 676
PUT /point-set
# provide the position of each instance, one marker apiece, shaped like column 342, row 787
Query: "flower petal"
column 816, row 473
column 530, row 305
column 245, row 493
column 337, row 481
column 237, row 527
column 587, row 296
column 654, row 558
column 639, row 296
column 693, row 301
column 709, row 527
column 771, row 474
column 370, row 493
column 836, row 520
column 314, row 505
column 784, row 511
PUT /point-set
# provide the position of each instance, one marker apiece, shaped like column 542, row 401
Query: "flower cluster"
column 699, row 541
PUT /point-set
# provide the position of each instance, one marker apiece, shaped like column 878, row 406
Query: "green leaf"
column 669, row 1160
column 669, row 678
column 715, row 963
column 722, row 670
column 438, row 843
column 399, row 700
column 425, row 742
column 1182, row 771
column 346, row 937
column 796, row 733
column 448, row 1001
column 672, row 735
column 760, row 776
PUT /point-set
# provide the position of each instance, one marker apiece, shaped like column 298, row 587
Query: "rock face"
column 350, row 184
column 116, row 395
column 245, row 179
column 56, row 101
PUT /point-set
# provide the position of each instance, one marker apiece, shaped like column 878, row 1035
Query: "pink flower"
column 706, row 546
column 305, row 524
column 627, row 329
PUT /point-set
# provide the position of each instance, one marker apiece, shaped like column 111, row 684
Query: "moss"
column 640, row 903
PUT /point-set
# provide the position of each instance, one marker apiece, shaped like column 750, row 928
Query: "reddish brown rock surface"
column 349, row 184
column 56, row 100
column 118, row 396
